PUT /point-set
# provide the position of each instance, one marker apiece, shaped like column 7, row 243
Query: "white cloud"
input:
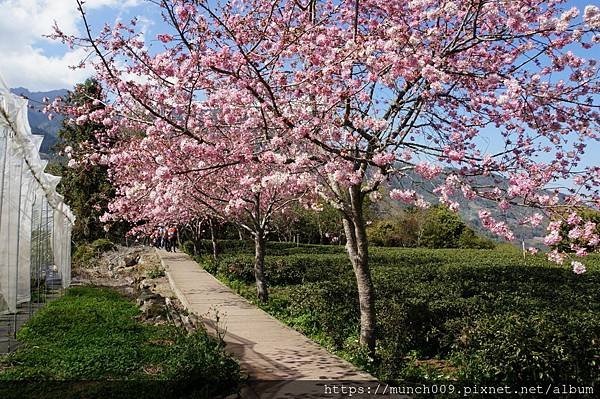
column 90, row 4
column 37, row 63
column 32, row 69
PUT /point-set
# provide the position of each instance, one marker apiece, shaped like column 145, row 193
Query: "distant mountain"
column 468, row 210
column 39, row 122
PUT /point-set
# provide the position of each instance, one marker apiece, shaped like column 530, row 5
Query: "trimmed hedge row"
column 204, row 247
column 279, row 269
column 475, row 316
column 491, row 322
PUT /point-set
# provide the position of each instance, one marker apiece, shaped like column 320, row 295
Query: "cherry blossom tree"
column 367, row 90
column 168, row 182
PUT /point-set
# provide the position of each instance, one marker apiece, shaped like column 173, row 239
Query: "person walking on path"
column 171, row 238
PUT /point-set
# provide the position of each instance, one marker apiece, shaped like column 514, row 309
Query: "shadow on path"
column 280, row 362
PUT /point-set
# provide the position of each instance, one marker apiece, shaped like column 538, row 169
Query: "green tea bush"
column 225, row 246
column 326, row 307
column 468, row 315
column 541, row 346
column 282, row 269
column 229, row 247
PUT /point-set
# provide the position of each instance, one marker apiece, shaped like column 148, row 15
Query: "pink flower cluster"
column 427, row 170
column 496, row 227
column 409, row 197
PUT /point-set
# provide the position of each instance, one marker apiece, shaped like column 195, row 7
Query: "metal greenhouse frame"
column 35, row 223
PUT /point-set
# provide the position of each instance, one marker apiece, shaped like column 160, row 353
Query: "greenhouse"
column 35, row 223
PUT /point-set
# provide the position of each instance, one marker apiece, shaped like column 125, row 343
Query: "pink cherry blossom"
column 556, row 257
column 591, row 16
column 383, row 159
column 573, row 218
column 534, row 220
column 578, row 267
column 495, row 226
column 407, row 196
column 165, row 38
column 427, row 170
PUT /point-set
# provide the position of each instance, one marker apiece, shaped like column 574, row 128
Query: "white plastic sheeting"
column 35, row 223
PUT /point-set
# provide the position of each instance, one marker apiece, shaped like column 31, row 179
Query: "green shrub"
column 401, row 231
column 204, row 247
column 84, row 256
column 189, row 248
column 468, row 239
column 541, row 346
column 155, row 272
column 437, row 227
column 280, row 269
column 327, row 307
column 442, row 228
column 230, row 247
column 103, row 245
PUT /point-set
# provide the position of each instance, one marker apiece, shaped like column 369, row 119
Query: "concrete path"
column 280, row 361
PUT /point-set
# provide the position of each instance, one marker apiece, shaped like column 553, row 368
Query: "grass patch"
column 89, row 339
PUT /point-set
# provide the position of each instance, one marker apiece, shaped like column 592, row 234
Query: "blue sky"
column 32, row 61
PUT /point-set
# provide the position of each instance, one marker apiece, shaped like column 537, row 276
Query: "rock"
column 147, row 295
column 152, row 309
column 131, row 260
column 194, row 319
column 187, row 324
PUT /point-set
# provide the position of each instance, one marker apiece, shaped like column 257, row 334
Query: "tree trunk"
column 358, row 251
column 213, row 239
column 320, row 230
column 259, row 266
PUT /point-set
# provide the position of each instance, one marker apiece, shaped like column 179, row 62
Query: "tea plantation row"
column 476, row 316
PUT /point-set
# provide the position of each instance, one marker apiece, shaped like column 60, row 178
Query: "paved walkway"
column 280, row 362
